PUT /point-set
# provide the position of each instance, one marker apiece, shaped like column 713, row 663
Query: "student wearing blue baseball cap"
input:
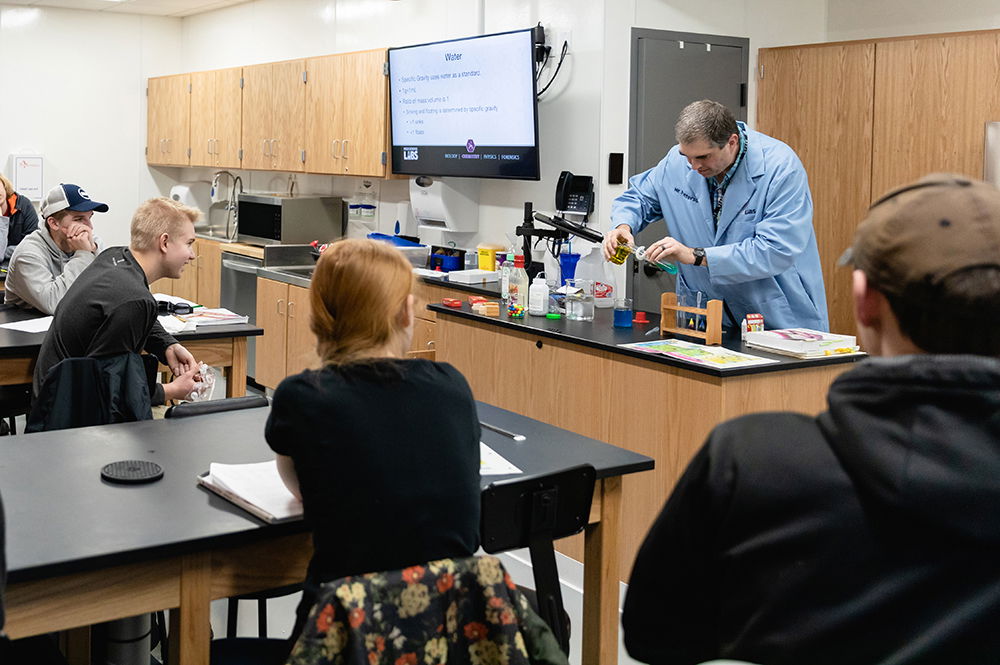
column 47, row 261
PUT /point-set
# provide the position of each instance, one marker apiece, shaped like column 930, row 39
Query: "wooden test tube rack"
column 712, row 313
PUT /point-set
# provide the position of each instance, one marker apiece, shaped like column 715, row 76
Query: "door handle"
column 249, row 269
column 263, row 148
column 335, row 148
column 291, row 310
column 344, row 151
column 273, row 153
column 280, row 300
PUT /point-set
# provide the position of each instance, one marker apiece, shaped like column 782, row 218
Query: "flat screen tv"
column 465, row 107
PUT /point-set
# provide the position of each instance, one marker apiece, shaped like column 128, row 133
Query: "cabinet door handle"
column 263, row 147
column 335, row 148
column 273, row 152
column 430, row 344
column 344, row 152
column 280, row 300
column 291, row 310
column 209, row 147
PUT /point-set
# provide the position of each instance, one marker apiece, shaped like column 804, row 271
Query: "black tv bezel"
column 395, row 151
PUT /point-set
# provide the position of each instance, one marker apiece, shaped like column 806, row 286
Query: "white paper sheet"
column 31, row 325
column 492, row 463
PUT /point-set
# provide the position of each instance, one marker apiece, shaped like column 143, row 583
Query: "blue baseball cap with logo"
column 69, row 197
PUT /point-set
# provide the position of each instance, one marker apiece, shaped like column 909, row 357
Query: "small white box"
column 474, row 276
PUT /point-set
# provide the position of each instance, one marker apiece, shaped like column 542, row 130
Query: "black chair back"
column 189, row 409
column 533, row 512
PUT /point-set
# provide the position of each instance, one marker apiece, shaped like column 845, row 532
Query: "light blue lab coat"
column 763, row 257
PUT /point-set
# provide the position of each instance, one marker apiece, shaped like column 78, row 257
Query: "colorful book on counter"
column 802, row 342
column 217, row 316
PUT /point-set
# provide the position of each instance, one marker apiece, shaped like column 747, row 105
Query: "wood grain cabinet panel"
column 274, row 116
column 346, row 113
column 933, row 98
column 272, row 316
column 301, row 353
column 216, row 116
column 818, row 100
column 168, row 119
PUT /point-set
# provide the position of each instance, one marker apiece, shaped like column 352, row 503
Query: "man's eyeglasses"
column 164, row 307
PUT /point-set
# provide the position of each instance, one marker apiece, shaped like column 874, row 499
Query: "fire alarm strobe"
column 131, row 472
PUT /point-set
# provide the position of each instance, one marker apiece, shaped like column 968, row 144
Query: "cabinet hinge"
column 241, row 83
column 303, row 156
column 305, row 76
column 189, row 153
column 189, row 88
column 147, row 91
column 762, row 72
column 147, row 151
column 241, row 154
column 383, row 158
column 385, row 69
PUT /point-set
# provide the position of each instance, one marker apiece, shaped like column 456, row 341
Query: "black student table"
column 82, row 551
column 216, row 346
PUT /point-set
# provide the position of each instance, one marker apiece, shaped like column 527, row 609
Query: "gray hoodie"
column 40, row 273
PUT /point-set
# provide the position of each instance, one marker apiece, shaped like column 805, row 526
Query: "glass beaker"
column 580, row 299
column 623, row 313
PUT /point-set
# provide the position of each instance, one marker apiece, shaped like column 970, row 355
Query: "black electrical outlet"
column 616, row 161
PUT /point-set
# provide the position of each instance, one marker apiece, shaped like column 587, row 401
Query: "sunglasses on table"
column 164, row 307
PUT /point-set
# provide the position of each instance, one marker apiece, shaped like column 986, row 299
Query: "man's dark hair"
column 705, row 121
column 964, row 319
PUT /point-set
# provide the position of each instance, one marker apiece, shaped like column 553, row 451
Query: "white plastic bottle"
column 538, row 296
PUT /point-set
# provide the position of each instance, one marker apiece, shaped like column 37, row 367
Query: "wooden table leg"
column 236, row 374
column 76, row 645
column 600, row 579
column 191, row 633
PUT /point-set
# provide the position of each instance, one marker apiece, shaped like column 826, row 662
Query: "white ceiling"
column 175, row 8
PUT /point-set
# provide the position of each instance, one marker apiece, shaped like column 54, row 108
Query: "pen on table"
column 499, row 430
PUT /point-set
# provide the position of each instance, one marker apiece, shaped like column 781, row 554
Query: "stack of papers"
column 802, row 342
column 256, row 488
column 218, row 316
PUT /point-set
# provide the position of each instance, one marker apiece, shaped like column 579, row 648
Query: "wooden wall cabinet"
column 346, row 113
column 288, row 345
column 868, row 116
column 168, row 120
column 216, row 118
column 274, row 96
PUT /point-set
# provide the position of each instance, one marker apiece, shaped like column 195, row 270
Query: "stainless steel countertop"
column 295, row 275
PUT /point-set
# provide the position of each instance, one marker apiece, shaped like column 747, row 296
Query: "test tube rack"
column 712, row 313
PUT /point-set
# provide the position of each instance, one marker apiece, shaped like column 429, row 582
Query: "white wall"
column 863, row 19
column 74, row 85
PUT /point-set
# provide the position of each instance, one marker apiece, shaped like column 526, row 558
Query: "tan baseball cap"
column 921, row 233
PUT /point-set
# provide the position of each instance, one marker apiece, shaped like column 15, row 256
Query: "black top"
column 387, row 455
column 23, row 222
column 602, row 335
column 865, row 535
column 106, row 312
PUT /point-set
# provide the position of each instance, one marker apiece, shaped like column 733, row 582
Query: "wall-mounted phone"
column 575, row 193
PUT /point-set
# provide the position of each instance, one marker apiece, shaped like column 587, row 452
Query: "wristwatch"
column 699, row 255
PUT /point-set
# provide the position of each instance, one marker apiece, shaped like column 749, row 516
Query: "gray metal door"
column 669, row 71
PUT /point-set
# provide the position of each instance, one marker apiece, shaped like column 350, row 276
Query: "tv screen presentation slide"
column 465, row 108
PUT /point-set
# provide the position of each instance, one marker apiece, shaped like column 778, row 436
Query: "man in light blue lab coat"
column 739, row 220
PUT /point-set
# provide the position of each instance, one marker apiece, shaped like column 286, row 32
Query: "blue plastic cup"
column 567, row 266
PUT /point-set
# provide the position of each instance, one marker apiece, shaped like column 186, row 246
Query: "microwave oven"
column 268, row 219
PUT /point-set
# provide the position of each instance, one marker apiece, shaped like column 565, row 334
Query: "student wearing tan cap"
column 868, row 534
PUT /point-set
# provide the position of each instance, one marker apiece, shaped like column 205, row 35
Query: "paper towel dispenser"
column 450, row 206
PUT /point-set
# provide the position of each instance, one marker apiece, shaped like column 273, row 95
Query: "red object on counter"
column 640, row 317
column 476, row 299
column 451, row 302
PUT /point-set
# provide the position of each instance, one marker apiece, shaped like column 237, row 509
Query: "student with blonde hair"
column 109, row 310
column 382, row 449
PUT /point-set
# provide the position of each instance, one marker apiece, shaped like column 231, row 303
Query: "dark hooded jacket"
column 869, row 534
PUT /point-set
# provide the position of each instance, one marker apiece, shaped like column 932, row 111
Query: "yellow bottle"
column 621, row 253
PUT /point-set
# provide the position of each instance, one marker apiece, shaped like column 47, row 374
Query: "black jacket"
column 865, row 535
column 79, row 392
column 21, row 223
